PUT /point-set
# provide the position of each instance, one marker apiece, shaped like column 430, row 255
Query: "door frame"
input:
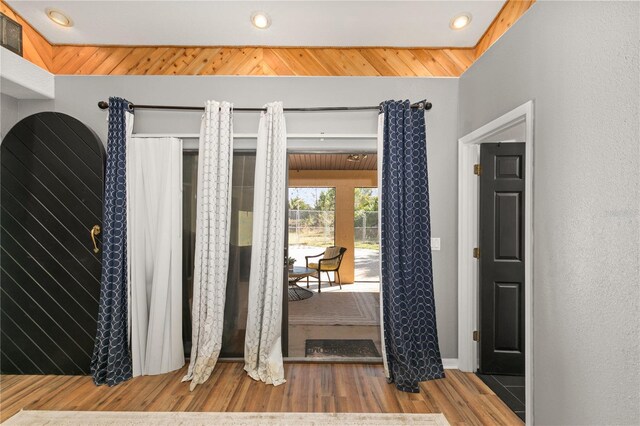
column 366, row 145
column 468, row 238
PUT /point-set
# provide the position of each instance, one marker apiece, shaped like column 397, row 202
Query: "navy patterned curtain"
column 411, row 346
column 111, row 361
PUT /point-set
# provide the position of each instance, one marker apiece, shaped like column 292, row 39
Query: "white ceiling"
column 294, row 23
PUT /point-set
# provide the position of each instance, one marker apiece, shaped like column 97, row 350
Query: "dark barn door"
column 51, row 199
column 502, row 185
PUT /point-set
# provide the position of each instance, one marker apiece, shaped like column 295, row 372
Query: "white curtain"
column 262, row 349
column 154, row 254
column 380, row 156
column 213, row 219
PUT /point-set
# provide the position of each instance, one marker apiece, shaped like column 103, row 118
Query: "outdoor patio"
column 367, row 264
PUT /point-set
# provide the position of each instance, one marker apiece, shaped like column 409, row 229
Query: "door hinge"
column 476, row 253
column 477, row 169
column 476, row 336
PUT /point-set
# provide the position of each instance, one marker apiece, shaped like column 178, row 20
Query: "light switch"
column 435, row 244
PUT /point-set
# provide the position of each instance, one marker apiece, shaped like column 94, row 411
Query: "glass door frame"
column 317, row 148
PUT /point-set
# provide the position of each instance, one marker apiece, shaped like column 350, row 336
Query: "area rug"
column 348, row 348
column 99, row 418
column 336, row 308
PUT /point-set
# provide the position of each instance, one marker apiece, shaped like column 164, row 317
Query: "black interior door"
column 502, row 190
column 51, row 197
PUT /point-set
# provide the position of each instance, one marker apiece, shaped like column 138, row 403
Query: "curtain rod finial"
column 427, row 106
column 103, row 105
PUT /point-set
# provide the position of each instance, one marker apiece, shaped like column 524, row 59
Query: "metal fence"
column 317, row 227
column 366, row 226
column 311, row 227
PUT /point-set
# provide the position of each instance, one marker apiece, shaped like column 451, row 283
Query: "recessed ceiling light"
column 260, row 20
column 59, row 17
column 460, row 21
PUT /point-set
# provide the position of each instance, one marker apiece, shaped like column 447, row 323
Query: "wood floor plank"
column 20, row 391
column 461, row 397
column 9, row 382
column 62, row 392
column 78, row 397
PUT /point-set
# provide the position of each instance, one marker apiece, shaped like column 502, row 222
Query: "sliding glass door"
column 235, row 317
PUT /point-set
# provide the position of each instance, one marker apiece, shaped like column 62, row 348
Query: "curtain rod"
column 424, row 105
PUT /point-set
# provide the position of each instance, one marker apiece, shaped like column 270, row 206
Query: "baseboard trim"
column 450, row 363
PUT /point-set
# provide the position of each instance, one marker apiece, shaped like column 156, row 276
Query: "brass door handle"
column 95, row 231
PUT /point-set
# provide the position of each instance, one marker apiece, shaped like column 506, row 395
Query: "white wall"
column 579, row 63
column 78, row 96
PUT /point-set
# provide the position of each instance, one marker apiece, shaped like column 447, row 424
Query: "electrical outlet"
column 435, row 244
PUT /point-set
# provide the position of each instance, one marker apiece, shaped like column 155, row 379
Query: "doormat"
column 347, row 348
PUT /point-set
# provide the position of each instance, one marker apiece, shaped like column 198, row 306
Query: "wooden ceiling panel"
column 35, row 48
column 331, row 162
column 508, row 15
column 256, row 60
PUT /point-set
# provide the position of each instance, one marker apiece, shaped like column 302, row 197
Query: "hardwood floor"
column 462, row 397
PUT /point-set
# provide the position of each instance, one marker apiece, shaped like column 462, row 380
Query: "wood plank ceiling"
column 331, row 162
column 261, row 60
column 35, row 48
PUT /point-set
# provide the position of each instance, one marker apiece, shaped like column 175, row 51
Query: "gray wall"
column 13, row 110
column 8, row 113
column 78, row 96
column 579, row 63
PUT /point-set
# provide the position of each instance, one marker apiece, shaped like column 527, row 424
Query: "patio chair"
column 330, row 262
